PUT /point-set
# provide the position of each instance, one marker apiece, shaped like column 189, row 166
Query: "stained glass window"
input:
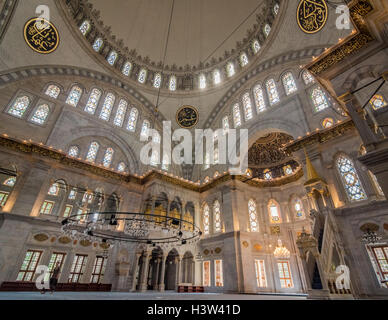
column 77, row 268
column 274, row 213
column 107, row 107
column 206, row 219
column 236, row 115
column 10, row 182
column 276, row 8
column 230, row 69
column 287, row 170
column 56, row 258
column 121, row 167
column 298, row 206
column 73, row 151
column 319, row 99
column 54, row 189
column 225, row 124
column 98, row 44
column 378, row 102
column 127, row 68
column 380, row 254
column 259, row 98
column 67, row 211
column 253, row 223
column 157, row 80
column 247, row 104
column 53, row 91
column 3, row 198
column 28, row 268
column 72, row 194
column 218, row 272
column 267, row 29
column 206, row 273
column 285, row 274
column 307, row 77
column 41, row 113
column 217, row 216
column 216, row 76
column 256, row 46
column 272, row 92
column 202, row 81
column 244, row 59
column 267, row 174
column 172, row 85
column 327, row 123
column 260, row 274
column 350, row 179
column 289, row 83
column 93, row 100
column 142, row 76
column 120, row 113
column 108, row 157
column 20, row 106
column 85, row 27
column 98, row 270
column 144, row 128
column 92, row 152
column 112, row 58
column 47, row 207
column 74, row 96
column 132, row 120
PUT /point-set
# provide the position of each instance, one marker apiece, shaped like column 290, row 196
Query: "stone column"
column 155, row 283
column 134, row 273
column 178, row 261
column 144, row 272
column 162, row 273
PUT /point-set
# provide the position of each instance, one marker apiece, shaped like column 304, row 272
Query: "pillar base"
column 143, row 287
column 161, row 287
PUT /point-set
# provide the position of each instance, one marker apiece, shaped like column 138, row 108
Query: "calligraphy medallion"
column 187, row 117
column 41, row 35
column 312, row 15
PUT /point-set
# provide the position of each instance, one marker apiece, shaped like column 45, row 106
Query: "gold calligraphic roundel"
column 41, row 35
column 187, row 117
column 312, row 15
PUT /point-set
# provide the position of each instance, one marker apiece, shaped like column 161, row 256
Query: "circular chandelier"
column 281, row 252
column 370, row 237
column 112, row 227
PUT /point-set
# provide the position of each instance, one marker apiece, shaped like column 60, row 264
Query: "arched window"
column 298, row 207
column 127, row 68
column 350, row 179
column 217, row 216
column 230, row 69
column 142, row 76
column 258, row 94
column 172, row 85
column 202, row 81
column 307, row 77
column 98, row 44
column 378, row 102
column 73, row 151
column 108, row 156
column 327, row 123
column 120, row 113
column 92, row 152
column 74, row 96
column 276, row 8
column 225, row 124
column 288, row 170
column 216, row 76
column 53, row 91
column 267, row 174
column 107, row 106
column 157, row 80
column 247, row 104
column 41, row 113
column 236, row 115
column 256, row 46
column 93, row 100
column 272, row 92
column 289, row 83
column 132, row 120
column 10, row 182
column 319, row 99
column 244, row 59
column 144, row 128
column 206, row 219
column 253, row 223
column 20, row 106
column 121, row 167
column 274, row 211
column 85, row 27
column 267, row 29
column 53, row 190
column 112, row 58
